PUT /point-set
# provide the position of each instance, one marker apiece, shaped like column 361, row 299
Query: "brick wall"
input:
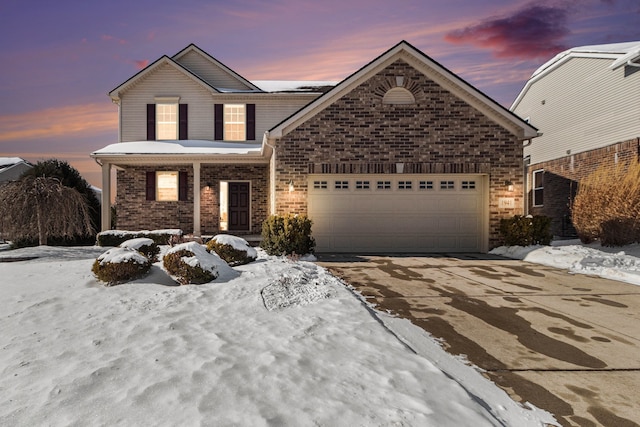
column 257, row 175
column 561, row 178
column 134, row 212
column 440, row 133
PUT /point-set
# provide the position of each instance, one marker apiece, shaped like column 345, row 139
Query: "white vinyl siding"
column 165, row 82
column 582, row 105
column 209, row 72
column 168, row 82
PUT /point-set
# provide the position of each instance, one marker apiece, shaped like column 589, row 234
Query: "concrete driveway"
column 569, row 344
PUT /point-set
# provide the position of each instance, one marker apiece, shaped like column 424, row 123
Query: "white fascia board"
column 417, row 59
column 214, row 61
column 164, row 60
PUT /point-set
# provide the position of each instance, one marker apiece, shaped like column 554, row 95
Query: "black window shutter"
column 183, row 132
column 251, row 122
column 218, row 119
column 151, row 122
column 183, row 186
column 151, row 185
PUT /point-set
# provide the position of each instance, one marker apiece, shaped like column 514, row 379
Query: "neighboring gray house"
column 586, row 103
column 12, row 168
column 401, row 156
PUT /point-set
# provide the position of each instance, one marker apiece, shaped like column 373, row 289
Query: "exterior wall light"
column 291, row 186
column 509, row 185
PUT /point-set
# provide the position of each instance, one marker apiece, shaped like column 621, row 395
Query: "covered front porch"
column 205, row 193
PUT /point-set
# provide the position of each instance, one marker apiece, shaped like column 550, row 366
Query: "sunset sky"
column 60, row 58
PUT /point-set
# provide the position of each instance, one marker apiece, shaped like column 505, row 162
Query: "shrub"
column 145, row 246
column 119, row 265
column 116, row 237
column 233, row 250
column 607, row 206
column 526, row 230
column 286, row 235
column 190, row 263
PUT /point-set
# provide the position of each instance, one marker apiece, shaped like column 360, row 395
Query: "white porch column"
column 106, row 197
column 196, row 199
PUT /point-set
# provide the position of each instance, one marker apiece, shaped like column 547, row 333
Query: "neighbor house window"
column 166, row 122
column 538, row 187
column 234, row 122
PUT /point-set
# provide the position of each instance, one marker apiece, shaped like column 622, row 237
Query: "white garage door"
column 399, row 213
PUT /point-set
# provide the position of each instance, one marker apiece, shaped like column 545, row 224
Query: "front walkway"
column 569, row 344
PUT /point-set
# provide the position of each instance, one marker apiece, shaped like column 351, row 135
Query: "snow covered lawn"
column 74, row 352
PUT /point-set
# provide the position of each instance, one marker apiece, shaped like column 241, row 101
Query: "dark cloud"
column 531, row 32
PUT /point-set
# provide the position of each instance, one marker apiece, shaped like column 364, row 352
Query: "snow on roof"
column 8, row 161
column 294, row 85
column 613, row 50
column 180, row 147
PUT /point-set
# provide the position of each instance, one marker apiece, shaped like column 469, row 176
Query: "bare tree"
column 41, row 207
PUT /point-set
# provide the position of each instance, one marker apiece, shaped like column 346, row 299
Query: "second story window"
column 166, row 122
column 167, row 119
column 234, row 122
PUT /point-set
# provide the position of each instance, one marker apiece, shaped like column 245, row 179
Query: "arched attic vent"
column 398, row 91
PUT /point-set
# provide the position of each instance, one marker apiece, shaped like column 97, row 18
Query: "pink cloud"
column 141, row 63
column 68, row 121
column 531, row 32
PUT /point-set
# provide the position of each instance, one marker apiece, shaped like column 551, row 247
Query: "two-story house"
column 403, row 155
column 586, row 103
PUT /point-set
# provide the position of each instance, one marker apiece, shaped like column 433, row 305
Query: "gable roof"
column 423, row 63
column 620, row 53
column 193, row 48
column 163, row 60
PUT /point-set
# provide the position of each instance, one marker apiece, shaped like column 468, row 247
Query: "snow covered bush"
column 145, row 246
column 190, row 263
column 287, row 234
column 526, row 230
column 234, row 250
column 116, row 237
column 119, row 265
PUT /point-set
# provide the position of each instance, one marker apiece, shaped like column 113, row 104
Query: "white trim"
column 534, row 188
column 433, row 70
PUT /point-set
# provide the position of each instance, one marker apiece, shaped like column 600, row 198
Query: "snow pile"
column 122, row 255
column 143, row 353
column 297, row 290
column 137, row 243
column 609, row 263
column 237, row 243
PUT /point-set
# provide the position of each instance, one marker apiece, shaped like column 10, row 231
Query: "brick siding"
column 134, row 212
column 440, row 133
column 562, row 176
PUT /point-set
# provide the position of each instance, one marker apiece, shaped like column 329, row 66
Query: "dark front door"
column 238, row 206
